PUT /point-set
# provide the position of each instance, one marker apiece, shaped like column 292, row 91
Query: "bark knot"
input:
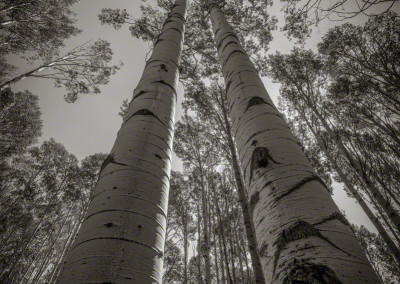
column 297, row 231
column 255, row 101
column 260, row 159
column 310, row 273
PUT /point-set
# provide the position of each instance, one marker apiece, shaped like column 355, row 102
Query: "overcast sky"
column 90, row 125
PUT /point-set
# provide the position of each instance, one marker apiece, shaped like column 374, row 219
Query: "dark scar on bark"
column 220, row 41
column 334, row 216
column 254, row 199
column 300, row 184
column 145, row 112
column 165, row 83
column 110, row 159
column 307, row 273
column 260, row 159
column 263, row 250
column 164, row 68
column 229, row 43
column 255, row 101
column 139, row 94
column 298, row 231
column 233, row 52
column 158, row 156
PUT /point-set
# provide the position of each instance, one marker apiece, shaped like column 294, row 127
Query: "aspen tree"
column 121, row 240
column 301, row 235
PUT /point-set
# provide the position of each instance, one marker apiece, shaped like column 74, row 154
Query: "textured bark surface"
column 121, row 240
column 301, row 235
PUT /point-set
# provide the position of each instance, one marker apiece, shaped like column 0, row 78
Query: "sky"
column 90, row 124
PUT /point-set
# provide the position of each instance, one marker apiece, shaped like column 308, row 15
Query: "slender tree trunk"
column 33, row 260
column 382, row 201
column 31, row 73
column 212, row 229
column 122, row 237
column 242, row 242
column 185, row 249
column 300, row 232
column 238, row 248
column 58, row 262
column 222, row 236
column 199, row 245
column 50, row 250
column 206, row 252
column 220, row 245
column 247, row 216
column 229, row 236
column 374, row 219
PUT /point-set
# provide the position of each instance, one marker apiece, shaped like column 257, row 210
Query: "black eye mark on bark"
column 255, row 101
column 298, row 231
column 306, row 273
column 260, row 159
column 158, row 156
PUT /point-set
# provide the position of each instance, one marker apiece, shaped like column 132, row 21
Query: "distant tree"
column 368, row 55
column 300, row 16
column 36, row 29
column 379, row 255
column 20, row 120
column 80, row 71
column 31, row 25
column 42, row 202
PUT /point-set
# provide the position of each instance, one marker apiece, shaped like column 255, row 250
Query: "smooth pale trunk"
column 300, row 232
column 121, row 240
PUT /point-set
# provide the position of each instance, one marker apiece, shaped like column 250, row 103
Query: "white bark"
column 121, row 240
column 300, row 232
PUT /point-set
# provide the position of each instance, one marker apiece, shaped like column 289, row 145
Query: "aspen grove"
column 260, row 145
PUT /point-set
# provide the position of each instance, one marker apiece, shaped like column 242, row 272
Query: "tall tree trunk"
column 357, row 166
column 374, row 219
column 185, row 244
column 229, row 236
column 49, row 252
column 222, row 236
column 122, row 237
column 301, row 234
column 247, row 216
column 212, row 229
column 200, row 280
column 206, row 252
column 223, row 278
